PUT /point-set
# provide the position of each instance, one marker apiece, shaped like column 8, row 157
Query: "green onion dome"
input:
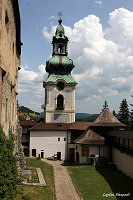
column 59, row 65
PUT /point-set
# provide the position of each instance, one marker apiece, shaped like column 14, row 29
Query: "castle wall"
column 123, row 162
column 0, row 93
column 9, row 63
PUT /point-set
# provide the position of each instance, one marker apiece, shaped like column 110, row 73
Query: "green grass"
column 33, row 114
column 34, row 177
column 92, row 184
column 36, row 192
column 31, row 178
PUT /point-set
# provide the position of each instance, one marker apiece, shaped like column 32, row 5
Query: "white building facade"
column 49, row 143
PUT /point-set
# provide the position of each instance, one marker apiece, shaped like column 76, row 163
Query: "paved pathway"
column 64, row 187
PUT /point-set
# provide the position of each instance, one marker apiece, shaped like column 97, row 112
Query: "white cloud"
column 98, row 2
column 121, row 28
column 30, row 81
column 107, row 92
column 103, row 58
column 51, row 17
column 48, row 35
column 31, row 91
column 35, row 105
column 120, row 80
column 93, row 98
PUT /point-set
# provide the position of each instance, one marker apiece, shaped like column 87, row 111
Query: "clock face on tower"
column 60, row 85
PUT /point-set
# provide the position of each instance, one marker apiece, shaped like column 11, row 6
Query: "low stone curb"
column 41, row 183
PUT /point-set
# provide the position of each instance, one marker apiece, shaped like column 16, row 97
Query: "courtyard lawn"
column 92, row 184
column 36, row 192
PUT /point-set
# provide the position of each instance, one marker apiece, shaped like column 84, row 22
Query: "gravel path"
column 64, row 187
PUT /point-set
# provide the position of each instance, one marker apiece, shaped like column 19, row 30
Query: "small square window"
column 58, row 139
column 64, row 139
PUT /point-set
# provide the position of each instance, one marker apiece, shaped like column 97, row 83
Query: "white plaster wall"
column 48, row 141
column 123, row 162
column 104, row 151
column 69, row 101
column 82, row 159
column 94, row 150
column 71, row 145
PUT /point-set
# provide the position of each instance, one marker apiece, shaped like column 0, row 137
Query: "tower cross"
column 60, row 14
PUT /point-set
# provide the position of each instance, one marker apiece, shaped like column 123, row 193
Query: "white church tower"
column 59, row 86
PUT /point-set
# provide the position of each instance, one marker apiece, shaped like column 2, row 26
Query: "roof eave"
column 107, row 125
column 91, row 143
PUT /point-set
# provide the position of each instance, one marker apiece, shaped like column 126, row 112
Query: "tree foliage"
column 131, row 114
column 114, row 113
column 8, row 167
column 24, row 109
column 124, row 112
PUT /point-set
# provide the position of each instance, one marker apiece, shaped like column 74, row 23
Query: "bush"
column 8, row 167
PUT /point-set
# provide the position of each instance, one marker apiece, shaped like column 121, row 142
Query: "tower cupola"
column 59, row 63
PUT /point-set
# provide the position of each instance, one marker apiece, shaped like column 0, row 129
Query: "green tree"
column 131, row 114
column 22, row 118
column 114, row 113
column 105, row 105
column 124, row 112
column 36, row 118
column 8, row 167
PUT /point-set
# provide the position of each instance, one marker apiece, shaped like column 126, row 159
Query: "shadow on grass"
column 119, row 183
column 69, row 163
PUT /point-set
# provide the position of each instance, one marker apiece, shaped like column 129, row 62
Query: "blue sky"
column 37, row 48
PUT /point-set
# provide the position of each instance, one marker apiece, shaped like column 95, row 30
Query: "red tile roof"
column 28, row 123
column 50, row 127
column 80, row 125
column 89, row 137
column 106, row 118
column 21, row 114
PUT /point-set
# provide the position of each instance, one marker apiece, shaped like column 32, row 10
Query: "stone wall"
column 0, row 93
column 9, row 106
column 123, row 162
column 9, row 64
column 9, row 56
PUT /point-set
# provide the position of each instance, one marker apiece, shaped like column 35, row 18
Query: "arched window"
column 60, row 48
column 60, row 102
